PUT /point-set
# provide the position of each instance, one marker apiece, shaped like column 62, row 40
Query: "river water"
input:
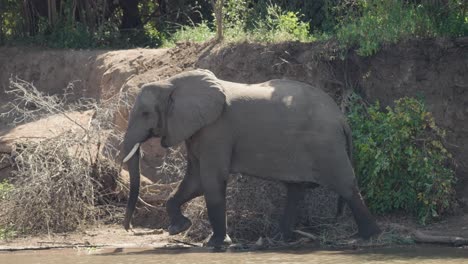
column 410, row 255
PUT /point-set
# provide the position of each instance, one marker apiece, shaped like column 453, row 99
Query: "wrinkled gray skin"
column 280, row 130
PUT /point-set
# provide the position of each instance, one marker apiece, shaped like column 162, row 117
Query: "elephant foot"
column 179, row 226
column 369, row 231
column 218, row 242
column 366, row 234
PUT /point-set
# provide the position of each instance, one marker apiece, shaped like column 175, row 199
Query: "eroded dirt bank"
column 434, row 69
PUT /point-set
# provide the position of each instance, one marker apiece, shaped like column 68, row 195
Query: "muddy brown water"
column 410, row 255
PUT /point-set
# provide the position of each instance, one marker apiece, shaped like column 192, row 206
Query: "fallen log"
column 422, row 237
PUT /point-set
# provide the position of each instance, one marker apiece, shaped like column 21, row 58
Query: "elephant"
column 280, row 130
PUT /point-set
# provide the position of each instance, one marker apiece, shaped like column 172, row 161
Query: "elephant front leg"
column 189, row 188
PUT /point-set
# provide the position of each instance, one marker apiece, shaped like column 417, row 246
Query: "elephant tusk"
column 132, row 152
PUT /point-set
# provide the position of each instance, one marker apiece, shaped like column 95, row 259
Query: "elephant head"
column 173, row 110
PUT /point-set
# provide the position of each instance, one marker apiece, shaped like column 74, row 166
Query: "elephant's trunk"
column 133, row 165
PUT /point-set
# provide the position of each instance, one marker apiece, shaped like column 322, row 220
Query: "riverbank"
column 398, row 232
column 433, row 68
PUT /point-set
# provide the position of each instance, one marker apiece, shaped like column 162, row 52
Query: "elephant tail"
column 349, row 141
column 349, row 149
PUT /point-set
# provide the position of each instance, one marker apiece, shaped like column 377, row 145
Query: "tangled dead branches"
column 64, row 181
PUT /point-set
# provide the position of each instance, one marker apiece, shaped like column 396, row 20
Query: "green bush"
column 198, row 33
column 279, row 25
column 363, row 24
column 289, row 24
column 378, row 22
column 400, row 160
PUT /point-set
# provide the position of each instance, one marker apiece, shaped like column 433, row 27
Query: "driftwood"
column 305, row 234
column 46, row 247
column 422, row 237
column 185, row 243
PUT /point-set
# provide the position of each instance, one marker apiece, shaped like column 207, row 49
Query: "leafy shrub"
column 289, row 23
column 374, row 23
column 7, row 233
column 236, row 13
column 199, row 33
column 279, row 25
column 400, row 160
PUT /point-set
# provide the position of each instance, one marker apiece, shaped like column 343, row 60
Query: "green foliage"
column 362, row 24
column 389, row 21
column 88, row 29
column 5, row 189
column 235, row 17
column 199, row 33
column 6, row 231
column 400, row 160
column 286, row 25
column 65, row 35
column 277, row 26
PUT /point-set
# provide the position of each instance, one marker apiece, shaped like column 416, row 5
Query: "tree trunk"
column 52, row 12
column 1, row 23
column 218, row 10
column 131, row 15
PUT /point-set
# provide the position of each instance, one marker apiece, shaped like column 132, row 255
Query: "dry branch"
column 60, row 182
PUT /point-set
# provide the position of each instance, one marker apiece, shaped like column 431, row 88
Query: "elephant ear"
column 197, row 100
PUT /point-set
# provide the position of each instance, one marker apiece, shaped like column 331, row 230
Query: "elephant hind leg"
column 343, row 181
column 340, row 203
column 367, row 226
column 295, row 194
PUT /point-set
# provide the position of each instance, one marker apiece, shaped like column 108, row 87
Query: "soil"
column 433, row 68
column 101, row 236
